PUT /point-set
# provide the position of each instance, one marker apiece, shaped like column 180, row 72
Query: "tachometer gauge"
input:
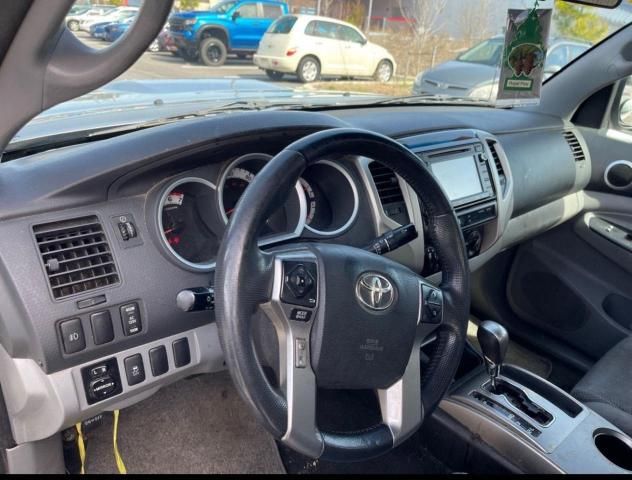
column 312, row 203
column 182, row 223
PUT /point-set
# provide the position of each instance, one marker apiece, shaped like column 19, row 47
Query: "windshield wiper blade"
column 432, row 98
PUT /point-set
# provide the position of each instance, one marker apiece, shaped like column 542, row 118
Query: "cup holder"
column 615, row 446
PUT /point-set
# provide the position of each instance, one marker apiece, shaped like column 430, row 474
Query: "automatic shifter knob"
column 494, row 340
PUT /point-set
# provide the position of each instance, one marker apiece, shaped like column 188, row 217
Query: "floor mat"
column 198, row 425
column 410, row 458
column 516, row 354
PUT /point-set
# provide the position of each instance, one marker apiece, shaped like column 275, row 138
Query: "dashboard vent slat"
column 386, row 183
column 575, row 146
column 76, row 255
column 389, row 192
column 497, row 163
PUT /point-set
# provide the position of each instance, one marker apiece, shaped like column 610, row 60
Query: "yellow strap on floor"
column 117, row 456
column 82, row 447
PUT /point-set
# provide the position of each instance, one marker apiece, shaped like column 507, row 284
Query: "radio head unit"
column 463, row 173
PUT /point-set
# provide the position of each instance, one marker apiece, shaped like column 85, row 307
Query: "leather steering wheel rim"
column 244, row 281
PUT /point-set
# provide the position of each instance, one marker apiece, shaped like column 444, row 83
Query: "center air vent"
column 499, row 167
column 575, row 146
column 390, row 192
column 76, row 256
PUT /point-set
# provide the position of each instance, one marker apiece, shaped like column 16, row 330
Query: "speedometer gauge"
column 286, row 222
column 234, row 186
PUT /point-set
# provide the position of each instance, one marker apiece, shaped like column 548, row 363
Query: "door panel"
column 571, row 283
column 248, row 28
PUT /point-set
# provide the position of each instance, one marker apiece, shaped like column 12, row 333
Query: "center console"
column 533, row 424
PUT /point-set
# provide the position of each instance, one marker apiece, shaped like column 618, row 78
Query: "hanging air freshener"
column 522, row 67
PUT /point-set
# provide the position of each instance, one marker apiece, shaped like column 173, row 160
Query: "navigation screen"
column 458, row 177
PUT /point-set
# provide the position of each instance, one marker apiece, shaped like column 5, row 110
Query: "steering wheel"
column 345, row 318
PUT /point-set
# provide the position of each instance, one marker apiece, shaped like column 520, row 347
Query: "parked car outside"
column 97, row 30
column 114, row 16
column 165, row 42
column 112, row 31
column 310, row 46
column 474, row 73
column 228, row 27
column 95, row 13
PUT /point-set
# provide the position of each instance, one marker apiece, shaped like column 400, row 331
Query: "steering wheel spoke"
column 292, row 308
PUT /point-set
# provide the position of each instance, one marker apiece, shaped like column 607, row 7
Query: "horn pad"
column 365, row 327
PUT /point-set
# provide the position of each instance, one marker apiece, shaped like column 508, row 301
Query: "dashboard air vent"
column 499, row 167
column 389, row 191
column 575, row 146
column 76, row 256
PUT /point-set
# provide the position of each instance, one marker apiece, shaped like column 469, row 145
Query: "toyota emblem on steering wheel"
column 375, row 291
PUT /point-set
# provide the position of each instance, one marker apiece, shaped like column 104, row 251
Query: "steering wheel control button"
column 101, row 380
column 102, row 329
column 158, row 360
column 433, row 304
column 130, row 315
column 299, row 283
column 301, row 315
column 134, row 369
column 72, row 335
column 181, row 352
column 300, row 353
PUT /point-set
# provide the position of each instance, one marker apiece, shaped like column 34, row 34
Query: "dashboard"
column 193, row 211
column 100, row 238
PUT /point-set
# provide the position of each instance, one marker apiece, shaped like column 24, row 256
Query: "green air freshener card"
column 522, row 67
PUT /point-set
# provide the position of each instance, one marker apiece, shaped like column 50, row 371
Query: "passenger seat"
column 607, row 387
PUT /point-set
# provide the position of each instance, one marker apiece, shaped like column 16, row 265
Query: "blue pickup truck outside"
column 228, row 27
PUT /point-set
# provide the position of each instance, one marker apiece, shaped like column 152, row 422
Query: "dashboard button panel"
column 101, row 380
column 102, row 330
column 158, row 361
column 72, row 336
column 134, row 369
column 130, row 316
column 181, row 352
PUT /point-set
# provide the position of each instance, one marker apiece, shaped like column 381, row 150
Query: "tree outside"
column 575, row 21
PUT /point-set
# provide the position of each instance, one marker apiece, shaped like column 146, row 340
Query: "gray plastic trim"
column 41, row 405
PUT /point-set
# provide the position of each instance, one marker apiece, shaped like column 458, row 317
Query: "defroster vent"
column 76, row 256
column 575, row 146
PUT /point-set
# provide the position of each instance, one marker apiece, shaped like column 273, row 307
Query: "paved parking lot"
column 166, row 65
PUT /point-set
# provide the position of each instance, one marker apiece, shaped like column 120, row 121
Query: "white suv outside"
column 310, row 46
column 115, row 15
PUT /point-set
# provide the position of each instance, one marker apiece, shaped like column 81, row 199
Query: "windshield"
column 222, row 7
column 317, row 53
column 486, row 53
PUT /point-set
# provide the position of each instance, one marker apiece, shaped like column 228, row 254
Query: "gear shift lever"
column 493, row 339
